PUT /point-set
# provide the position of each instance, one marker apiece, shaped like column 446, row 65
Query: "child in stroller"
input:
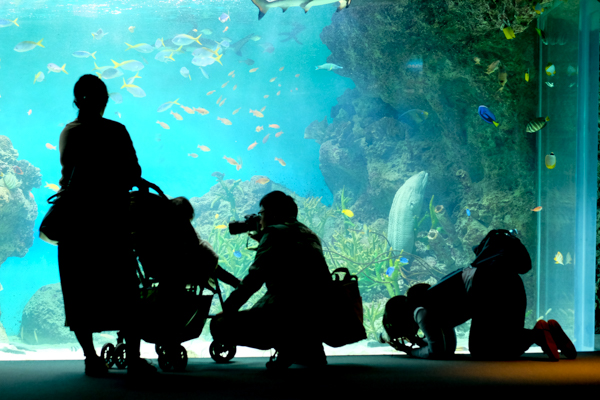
column 177, row 265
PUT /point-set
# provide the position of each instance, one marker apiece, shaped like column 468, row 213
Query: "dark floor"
column 349, row 377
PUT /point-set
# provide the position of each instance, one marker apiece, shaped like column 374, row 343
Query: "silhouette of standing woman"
column 96, row 261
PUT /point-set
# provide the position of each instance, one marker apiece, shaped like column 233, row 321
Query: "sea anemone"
column 439, row 209
column 432, row 235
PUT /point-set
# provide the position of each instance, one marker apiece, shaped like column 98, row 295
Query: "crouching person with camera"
column 289, row 261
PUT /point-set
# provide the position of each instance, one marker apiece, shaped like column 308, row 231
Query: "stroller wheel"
column 108, row 354
column 221, row 353
column 120, row 356
column 173, row 357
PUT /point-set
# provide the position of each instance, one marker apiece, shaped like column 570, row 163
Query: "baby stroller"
column 171, row 289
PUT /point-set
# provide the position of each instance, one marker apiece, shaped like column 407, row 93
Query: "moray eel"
column 407, row 203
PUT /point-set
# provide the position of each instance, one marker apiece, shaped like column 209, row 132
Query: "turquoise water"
column 66, row 27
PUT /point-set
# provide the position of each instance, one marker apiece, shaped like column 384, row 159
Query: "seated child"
column 206, row 254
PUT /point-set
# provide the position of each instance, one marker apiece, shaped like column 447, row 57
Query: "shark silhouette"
column 293, row 34
column 264, row 5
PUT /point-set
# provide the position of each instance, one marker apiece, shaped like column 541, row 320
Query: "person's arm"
column 132, row 166
column 68, row 154
column 257, row 273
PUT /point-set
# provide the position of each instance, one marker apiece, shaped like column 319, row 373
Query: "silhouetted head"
column 91, row 96
column 398, row 319
column 416, row 294
column 276, row 208
column 183, row 207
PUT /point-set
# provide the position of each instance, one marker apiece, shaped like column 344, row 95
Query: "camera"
column 251, row 223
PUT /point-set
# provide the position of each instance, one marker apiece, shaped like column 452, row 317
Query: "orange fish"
column 201, row 111
column 230, row 160
column 223, row 102
column 234, row 87
column 280, row 161
column 263, row 109
column 211, row 92
column 274, row 126
column 194, row 155
column 239, row 165
column 231, row 73
column 538, row 208
column 225, row 30
column 29, row 112
column 266, row 96
column 253, row 145
column 224, row 120
column 219, row 99
column 266, row 138
column 188, row 110
column 257, row 113
column 297, row 75
column 203, row 148
column 31, row 195
column 50, row 147
column 177, row 116
column 279, row 134
column 281, row 69
column 225, row 84
column 254, row 70
column 263, row 181
column 259, row 128
column 236, row 111
column 272, row 79
column 165, row 126
column 278, row 93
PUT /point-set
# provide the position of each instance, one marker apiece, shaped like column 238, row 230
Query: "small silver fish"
column 550, row 84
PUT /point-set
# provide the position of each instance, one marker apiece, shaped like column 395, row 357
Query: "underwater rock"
column 43, row 320
column 3, row 335
column 346, row 168
column 18, row 210
column 406, row 206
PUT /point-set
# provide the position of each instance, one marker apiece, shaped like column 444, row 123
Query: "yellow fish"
column 263, row 181
column 274, row 126
column 223, row 102
column 52, row 186
column 509, row 32
column 280, row 161
column 225, row 84
column 203, row 148
column 263, row 109
column 219, row 99
column 259, row 128
column 165, row 126
column 236, row 111
column 493, row 66
column 211, row 92
column 272, row 79
column 348, row 213
column 527, row 75
column 253, row 70
column 550, row 161
column 257, row 113
column 131, row 29
column 177, row 116
column 224, row 120
column 231, row 73
column 216, row 216
column 569, row 258
column 281, row 69
column 558, row 258
column 278, row 93
column 220, row 226
column 234, row 87
column 230, row 160
column 266, row 96
column 201, row 111
column 188, row 110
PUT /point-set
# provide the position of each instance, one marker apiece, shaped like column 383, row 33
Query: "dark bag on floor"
column 345, row 319
column 55, row 223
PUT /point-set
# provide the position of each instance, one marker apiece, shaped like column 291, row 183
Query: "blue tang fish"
column 468, row 212
column 389, row 271
column 404, row 260
column 487, row 115
column 237, row 254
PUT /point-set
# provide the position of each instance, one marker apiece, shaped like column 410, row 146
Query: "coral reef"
column 43, row 320
column 18, row 209
column 371, row 148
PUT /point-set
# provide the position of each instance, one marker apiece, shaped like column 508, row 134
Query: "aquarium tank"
column 404, row 130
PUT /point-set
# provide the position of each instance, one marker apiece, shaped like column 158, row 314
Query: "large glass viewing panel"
column 399, row 127
column 567, row 168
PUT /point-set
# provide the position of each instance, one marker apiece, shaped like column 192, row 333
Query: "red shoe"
column 561, row 339
column 545, row 340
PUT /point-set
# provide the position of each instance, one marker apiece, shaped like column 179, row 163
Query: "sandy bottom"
column 196, row 348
